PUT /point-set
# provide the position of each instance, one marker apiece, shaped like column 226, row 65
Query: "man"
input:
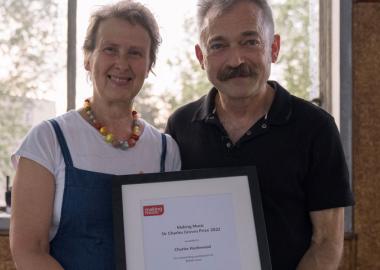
column 247, row 120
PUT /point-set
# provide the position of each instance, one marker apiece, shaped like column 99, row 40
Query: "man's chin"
column 246, row 82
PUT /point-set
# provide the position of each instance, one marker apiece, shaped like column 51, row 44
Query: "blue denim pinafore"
column 84, row 239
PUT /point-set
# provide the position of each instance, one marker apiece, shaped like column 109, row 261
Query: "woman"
column 61, row 205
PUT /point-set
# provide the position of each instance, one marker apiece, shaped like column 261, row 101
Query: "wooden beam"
column 325, row 54
column 71, row 53
column 366, row 1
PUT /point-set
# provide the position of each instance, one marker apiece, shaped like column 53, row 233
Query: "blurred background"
column 329, row 55
column 34, row 51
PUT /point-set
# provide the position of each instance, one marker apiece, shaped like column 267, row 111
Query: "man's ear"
column 199, row 54
column 275, row 47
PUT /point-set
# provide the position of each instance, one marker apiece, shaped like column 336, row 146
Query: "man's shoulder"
column 308, row 111
column 189, row 110
column 288, row 108
column 182, row 119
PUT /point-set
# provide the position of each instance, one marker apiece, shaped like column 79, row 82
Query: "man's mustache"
column 243, row 70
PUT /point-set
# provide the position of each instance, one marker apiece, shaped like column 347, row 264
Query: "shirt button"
column 264, row 125
column 249, row 133
column 228, row 145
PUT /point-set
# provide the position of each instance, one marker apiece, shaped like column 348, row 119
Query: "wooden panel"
column 366, row 133
column 6, row 262
column 366, row 1
column 349, row 254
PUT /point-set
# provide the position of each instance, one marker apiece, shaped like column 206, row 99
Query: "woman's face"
column 120, row 61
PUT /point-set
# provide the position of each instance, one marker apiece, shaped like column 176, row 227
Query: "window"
column 32, row 70
column 297, row 69
column 314, row 62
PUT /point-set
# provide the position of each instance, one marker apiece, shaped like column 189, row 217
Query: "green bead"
column 124, row 145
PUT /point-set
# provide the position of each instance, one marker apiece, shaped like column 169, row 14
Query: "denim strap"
column 163, row 153
column 62, row 143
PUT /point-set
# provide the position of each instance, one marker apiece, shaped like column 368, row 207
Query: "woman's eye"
column 109, row 50
column 135, row 53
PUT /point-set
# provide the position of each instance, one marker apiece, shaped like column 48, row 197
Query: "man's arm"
column 326, row 247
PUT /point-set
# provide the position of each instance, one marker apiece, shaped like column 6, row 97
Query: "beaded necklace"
column 108, row 136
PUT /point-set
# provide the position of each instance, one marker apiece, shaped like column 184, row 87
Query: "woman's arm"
column 32, row 209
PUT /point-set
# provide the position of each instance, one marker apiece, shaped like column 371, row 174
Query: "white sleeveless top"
column 90, row 152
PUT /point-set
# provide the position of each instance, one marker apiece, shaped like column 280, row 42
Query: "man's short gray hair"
column 223, row 5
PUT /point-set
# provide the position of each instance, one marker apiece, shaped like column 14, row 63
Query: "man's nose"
column 235, row 57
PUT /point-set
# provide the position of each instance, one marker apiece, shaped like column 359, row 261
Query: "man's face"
column 236, row 50
column 120, row 61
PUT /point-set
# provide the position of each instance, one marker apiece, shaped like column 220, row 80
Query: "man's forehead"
column 219, row 25
column 244, row 13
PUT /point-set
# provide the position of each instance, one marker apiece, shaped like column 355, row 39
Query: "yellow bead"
column 109, row 138
column 103, row 131
column 136, row 130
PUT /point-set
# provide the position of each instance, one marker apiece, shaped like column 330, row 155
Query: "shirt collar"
column 279, row 112
column 207, row 107
column 281, row 108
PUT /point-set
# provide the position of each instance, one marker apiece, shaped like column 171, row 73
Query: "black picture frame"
column 189, row 175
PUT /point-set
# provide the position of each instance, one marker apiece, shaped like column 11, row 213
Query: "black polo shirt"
column 298, row 156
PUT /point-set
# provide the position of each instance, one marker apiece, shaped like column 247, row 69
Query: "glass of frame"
column 195, row 219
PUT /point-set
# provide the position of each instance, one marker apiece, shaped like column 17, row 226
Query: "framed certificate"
column 208, row 219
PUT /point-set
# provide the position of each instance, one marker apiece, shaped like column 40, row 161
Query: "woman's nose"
column 122, row 62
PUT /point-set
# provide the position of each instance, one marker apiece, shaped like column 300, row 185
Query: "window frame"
column 71, row 53
column 346, row 92
column 336, row 75
column 328, row 87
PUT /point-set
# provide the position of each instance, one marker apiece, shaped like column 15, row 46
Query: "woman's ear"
column 87, row 61
column 87, row 65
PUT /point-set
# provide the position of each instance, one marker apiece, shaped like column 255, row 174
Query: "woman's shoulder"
column 154, row 132
column 43, row 135
column 68, row 118
column 173, row 160
column 39, row 144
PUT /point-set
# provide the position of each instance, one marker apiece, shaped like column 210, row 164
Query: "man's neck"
column 239, row 115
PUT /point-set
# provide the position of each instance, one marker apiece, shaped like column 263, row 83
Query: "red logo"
column 153, row 210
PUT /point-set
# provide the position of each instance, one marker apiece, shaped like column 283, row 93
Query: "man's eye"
column 252, row 42
column 216, row 46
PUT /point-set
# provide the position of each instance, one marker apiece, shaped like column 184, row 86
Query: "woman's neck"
column 116, row 117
